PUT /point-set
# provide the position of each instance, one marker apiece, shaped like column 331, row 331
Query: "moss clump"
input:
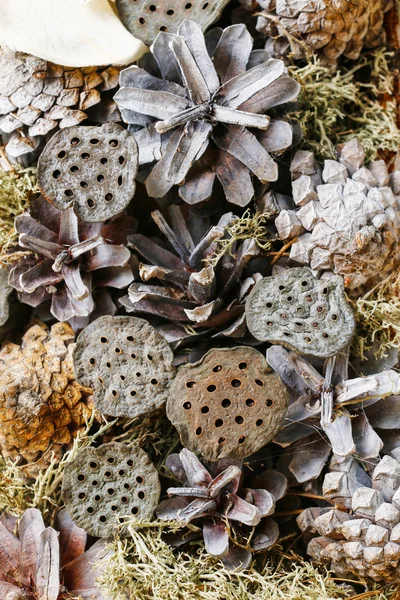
column 248, row 227
column 378, row 317
column 145, row 567
column 16, row 188
column 357, row 101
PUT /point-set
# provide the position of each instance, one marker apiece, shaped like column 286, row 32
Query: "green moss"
column 145, row 567
column 16, row 187
column 351, row 102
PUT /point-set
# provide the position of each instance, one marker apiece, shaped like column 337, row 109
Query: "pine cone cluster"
column 329, row 28
column 348, row 220
column 38, row 97
column 361, row 535
column 42, row 406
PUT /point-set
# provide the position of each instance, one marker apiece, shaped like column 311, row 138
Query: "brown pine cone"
column 42, row 406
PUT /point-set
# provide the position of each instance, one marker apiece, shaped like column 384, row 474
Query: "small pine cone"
column 364, row 538
column 329, row 28
column 42, row 406
column 38, row 97
column 349, row 215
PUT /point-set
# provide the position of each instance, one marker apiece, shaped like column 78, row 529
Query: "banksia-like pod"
column 329, row 28
column 42, row 406
column 37, row 97
column 46, row 562
column 348, row 219
column 206, row 116
column 361, row 535
column 224, row 509
column 73, row 264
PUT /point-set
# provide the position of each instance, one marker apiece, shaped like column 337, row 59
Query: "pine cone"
column 43, row 562
column 351, row 214
column 38, row 97
column 194, row 121
column 361, row 535
column 219, row 504
column 71, row 259
column 329, row 28
column 42, row 406
column 194, row 294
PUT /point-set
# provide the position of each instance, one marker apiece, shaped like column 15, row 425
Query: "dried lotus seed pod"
column 300, row 312
column 126, row 363
column 145, row 18
column 228, row 404
column 92, row 169
column 103, row 485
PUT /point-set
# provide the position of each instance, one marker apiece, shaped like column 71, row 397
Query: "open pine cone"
column 179, row 285
column 48, row 563
column 329, row 28
column 194, row 120
column 348, row 219
column 70, row 260
column 38, row 97
column 42, row 406
column 218, row 503
column 361, row 535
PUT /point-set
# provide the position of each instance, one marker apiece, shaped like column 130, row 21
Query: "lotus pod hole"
column 302, row 313
column 228, row 404
column 127, row 363
column 92, row 169
column 107, row 483
column 146, row 18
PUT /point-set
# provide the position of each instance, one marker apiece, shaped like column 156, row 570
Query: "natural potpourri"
column 199, row 300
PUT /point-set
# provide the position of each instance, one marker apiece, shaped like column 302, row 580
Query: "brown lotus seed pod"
column 146, row 18
column 228, row 404
column 103, row 485
column 126, row 363
column 302, row 313
column 92, row 169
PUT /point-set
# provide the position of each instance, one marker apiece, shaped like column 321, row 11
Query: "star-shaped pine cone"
column 205, row 117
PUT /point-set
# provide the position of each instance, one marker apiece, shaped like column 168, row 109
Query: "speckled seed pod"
column 92, row 169
column 228, row 404
column 146, row 18
column 300, row 312
column 105, row 484
column 127, row 363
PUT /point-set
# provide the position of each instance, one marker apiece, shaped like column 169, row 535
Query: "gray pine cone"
column 348, row 219
column 329, row 28
column 194, row 116
column 38, row 97
column 361, row 535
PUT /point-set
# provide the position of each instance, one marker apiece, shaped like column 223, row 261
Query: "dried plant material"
column 43, row 562
column 328, row 28
column 66, row 263
column 38, row 97
column 352, row 222
column 73, row 33
column 42, row 406
column 301, row 312
column 197, row 282
column 145, row 20
column 5, row 291
column 102, row 485
column 228, row 404
column 366, row 542
column 16, row 188
column 91, row 169
column 356, row 101
column 222, row 502
column 197, row 121
column 128, row 364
